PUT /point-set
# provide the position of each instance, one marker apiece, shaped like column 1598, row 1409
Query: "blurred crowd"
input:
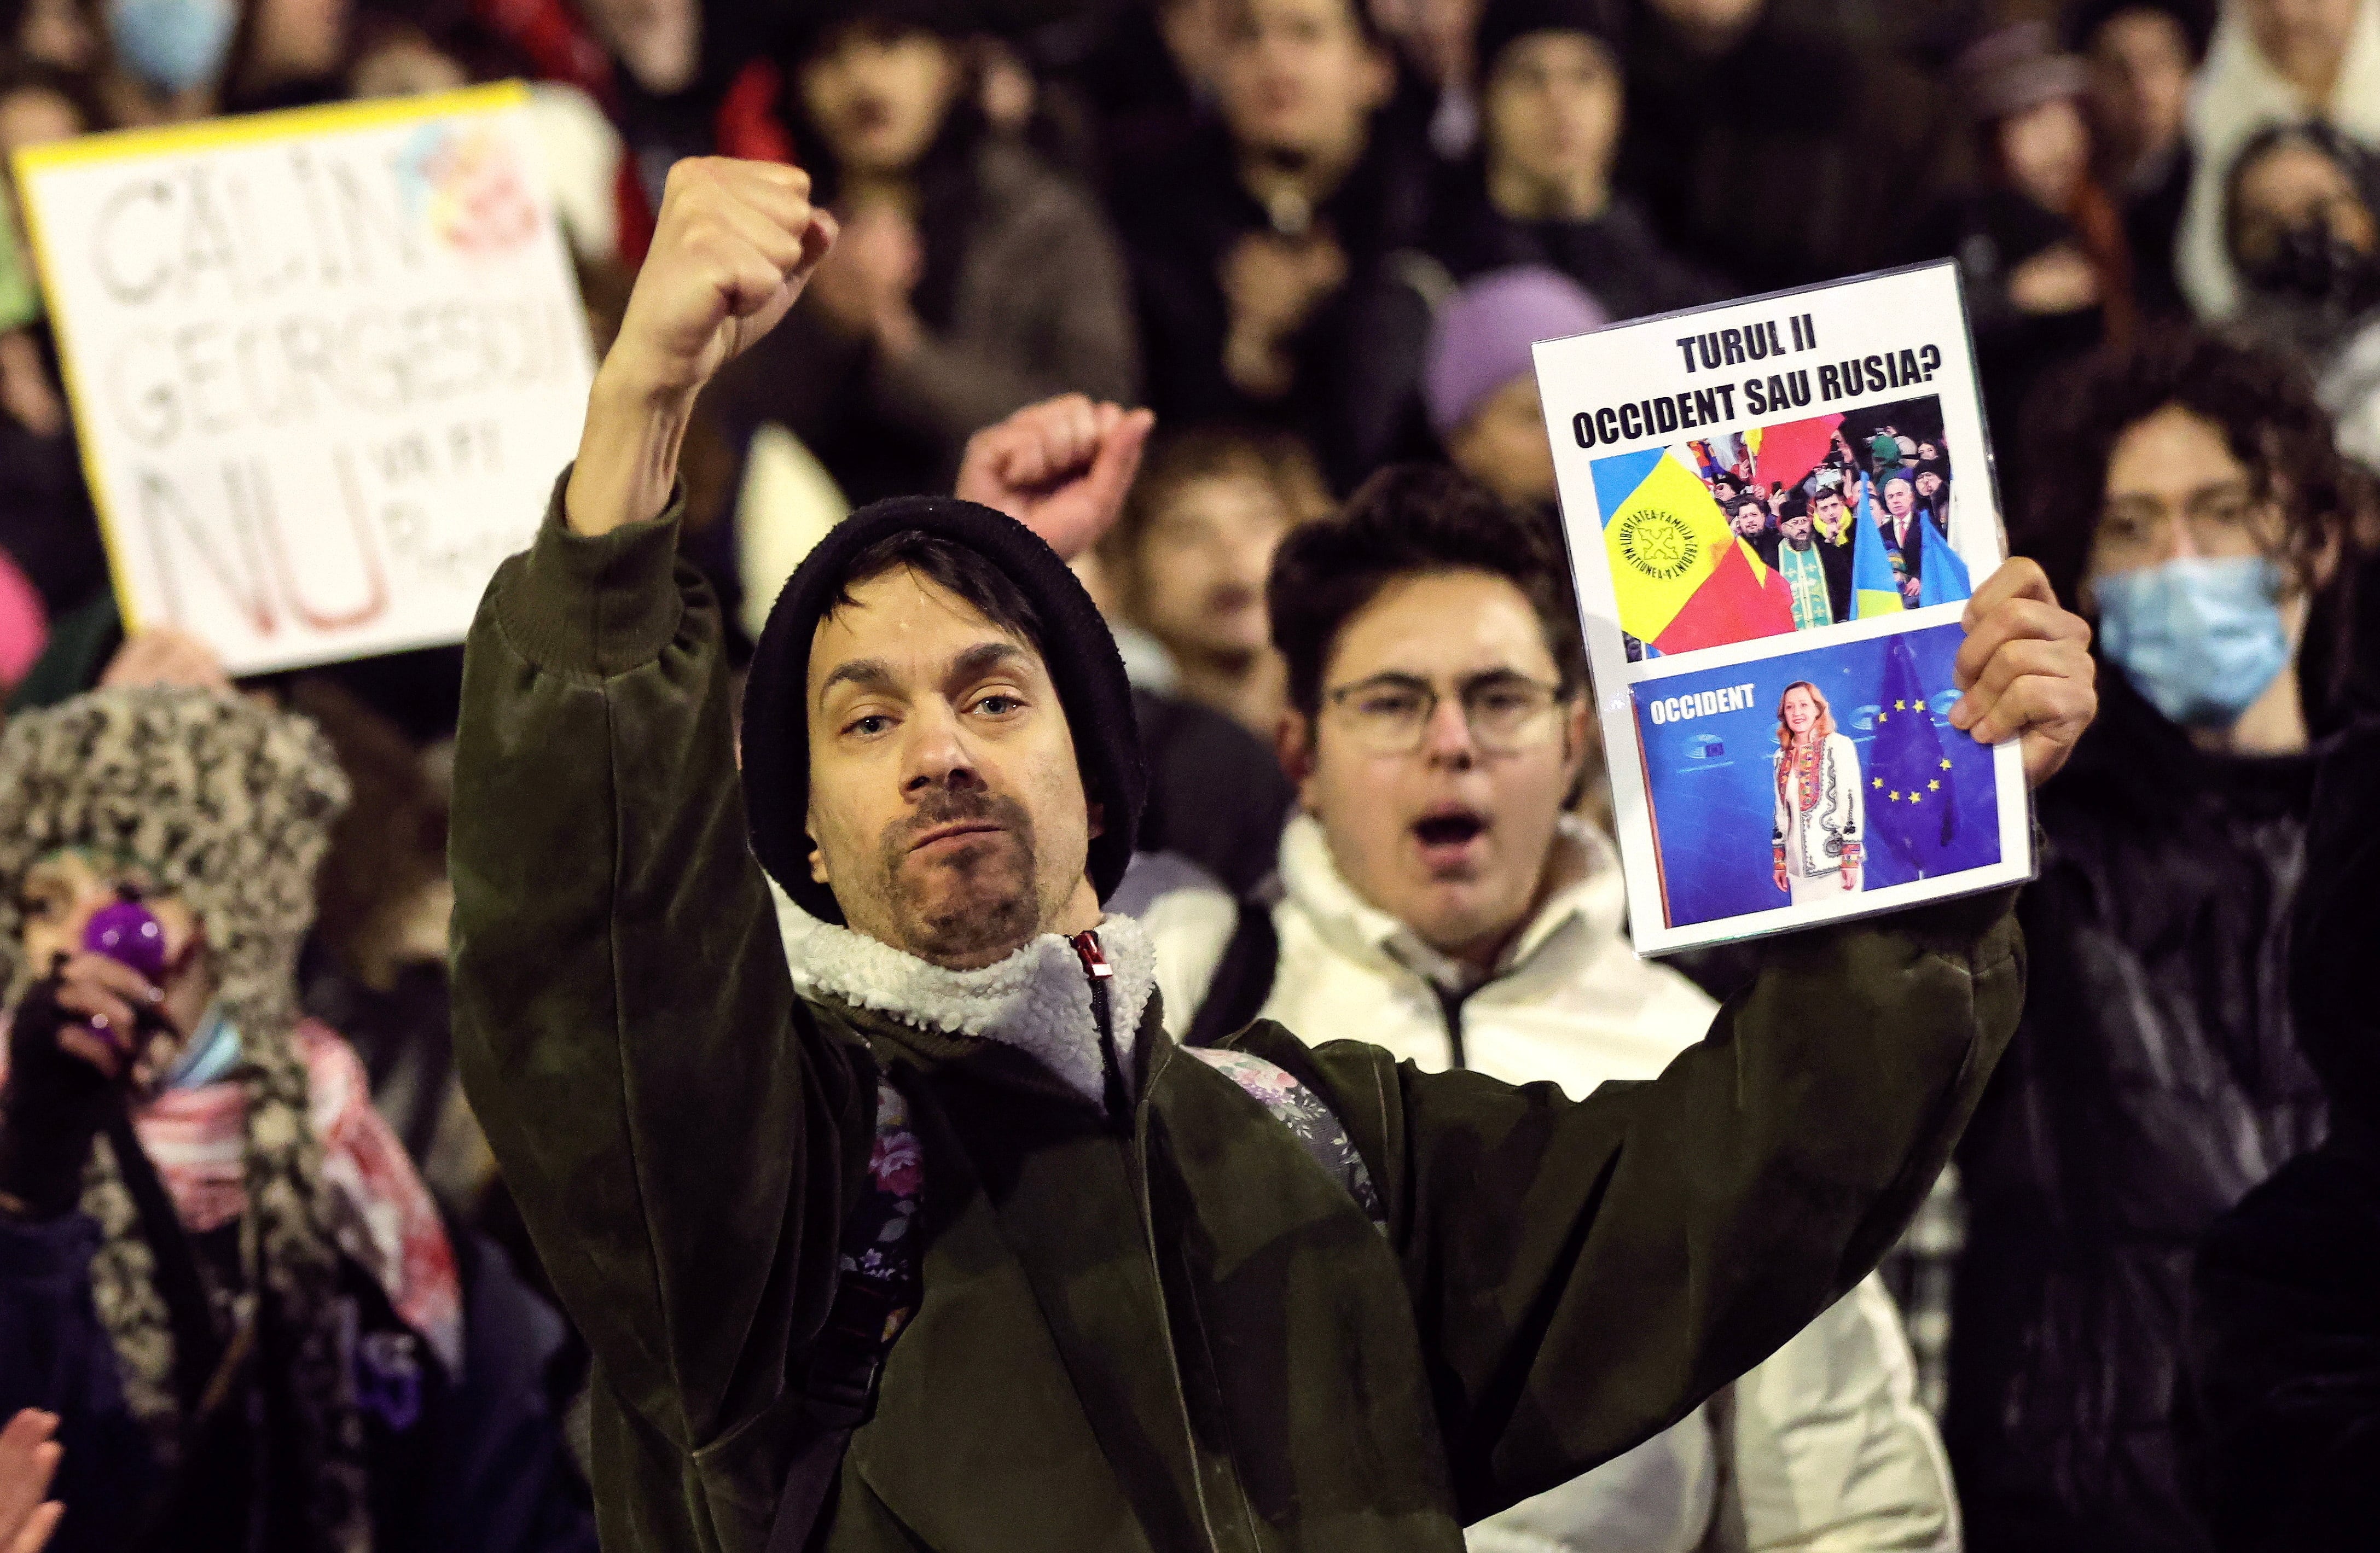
column 1316, row 239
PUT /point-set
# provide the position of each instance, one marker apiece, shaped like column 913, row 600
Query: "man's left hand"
column 2026, row 668
column 1060, row 467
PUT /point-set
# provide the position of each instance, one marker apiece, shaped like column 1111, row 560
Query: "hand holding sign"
column 733, row 247
column 2026, row 668
column 28, row 1458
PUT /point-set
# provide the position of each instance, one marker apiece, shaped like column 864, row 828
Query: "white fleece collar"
column 1595, row 900
column 1037, row 1000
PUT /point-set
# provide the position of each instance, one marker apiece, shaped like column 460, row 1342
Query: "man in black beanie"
column 1539, row 191
column 1271, row 1296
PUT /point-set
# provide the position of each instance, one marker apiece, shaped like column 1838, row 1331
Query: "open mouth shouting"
column 1452, row 837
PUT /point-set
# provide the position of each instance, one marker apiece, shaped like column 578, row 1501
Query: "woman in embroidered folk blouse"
column 1815, row 841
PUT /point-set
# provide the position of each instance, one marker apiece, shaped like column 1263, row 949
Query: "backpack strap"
column 1242, row 979
column 1308, row 1118
column 876, row 1293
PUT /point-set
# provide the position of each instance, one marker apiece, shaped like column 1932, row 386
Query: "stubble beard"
column 977, row 901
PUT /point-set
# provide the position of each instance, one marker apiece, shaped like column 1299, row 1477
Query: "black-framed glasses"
column 1507, row 711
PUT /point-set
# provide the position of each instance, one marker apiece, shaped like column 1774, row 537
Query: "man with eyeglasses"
column 1439, row 902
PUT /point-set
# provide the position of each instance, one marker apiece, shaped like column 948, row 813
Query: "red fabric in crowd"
column 745, row 127
column 551, row 36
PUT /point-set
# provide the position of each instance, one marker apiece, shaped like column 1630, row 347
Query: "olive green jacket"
column 1178, row 1333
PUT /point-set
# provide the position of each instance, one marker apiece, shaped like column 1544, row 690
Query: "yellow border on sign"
column 284, row 123
column 201, row 135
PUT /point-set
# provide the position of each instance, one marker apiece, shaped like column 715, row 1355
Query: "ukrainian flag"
column 1941, row 574
column 1683, row 579
column 1872, row 589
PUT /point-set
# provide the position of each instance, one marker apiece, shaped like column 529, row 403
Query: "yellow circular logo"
column 1657, row 544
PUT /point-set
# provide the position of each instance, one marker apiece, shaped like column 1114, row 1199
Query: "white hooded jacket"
column 1823, row 1447
column 2238, row 92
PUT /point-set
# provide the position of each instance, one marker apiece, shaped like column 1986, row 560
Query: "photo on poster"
column 1777, row 509
column 1813, row 777
column 1793, row 526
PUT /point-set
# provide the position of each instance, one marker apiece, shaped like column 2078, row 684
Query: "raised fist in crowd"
column 1059, row 468
column 1273, row 286
column 733, row 247
column 878, row 259
column 733, row 244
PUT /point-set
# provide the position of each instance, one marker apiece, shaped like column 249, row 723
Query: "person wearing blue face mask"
column 196, row 58
column 174, row 47
column 2191, row 498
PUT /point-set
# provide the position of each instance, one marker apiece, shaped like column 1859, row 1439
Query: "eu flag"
column 1914, row 767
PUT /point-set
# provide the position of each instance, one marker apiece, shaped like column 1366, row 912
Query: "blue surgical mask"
column 2200, row 638
column 214, row 1050
column 173, row 44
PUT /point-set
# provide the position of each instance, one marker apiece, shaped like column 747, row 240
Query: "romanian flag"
column 1684, row 580
column 1874, row 593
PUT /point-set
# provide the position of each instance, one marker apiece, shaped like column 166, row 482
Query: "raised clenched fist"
column 733, row 247
column 1060, row 467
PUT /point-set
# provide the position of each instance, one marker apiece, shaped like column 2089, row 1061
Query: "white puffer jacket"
column 1824, row 1446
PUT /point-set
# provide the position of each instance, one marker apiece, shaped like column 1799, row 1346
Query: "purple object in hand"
column 129, row 933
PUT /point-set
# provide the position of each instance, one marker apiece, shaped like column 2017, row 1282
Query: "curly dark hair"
column 1412, row 518
column 2263, row 401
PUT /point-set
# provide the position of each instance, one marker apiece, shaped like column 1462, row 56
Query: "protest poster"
column 325, row 364
column 1776, row 510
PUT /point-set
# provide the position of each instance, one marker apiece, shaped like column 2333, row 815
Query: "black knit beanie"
column 1504, row 22
column 1079, row 652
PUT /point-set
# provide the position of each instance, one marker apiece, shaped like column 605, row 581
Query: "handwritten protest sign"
column 324, row 364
